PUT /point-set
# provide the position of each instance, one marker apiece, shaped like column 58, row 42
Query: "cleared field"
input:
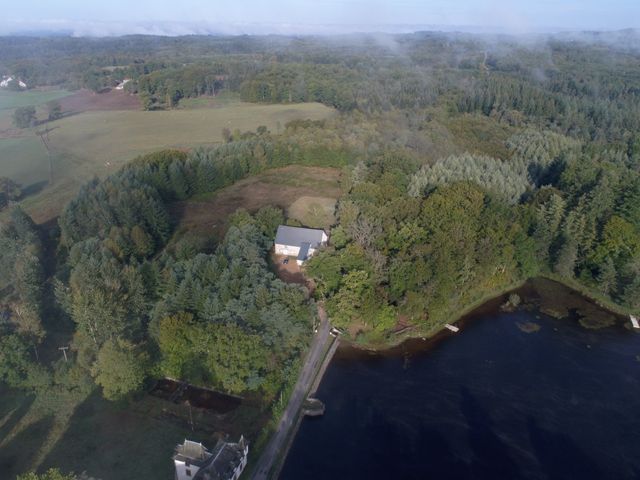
column 293, row 186
column 97, row 143
column 10, row 100
column 24, row 160
column 117, row 136
column 84, row 100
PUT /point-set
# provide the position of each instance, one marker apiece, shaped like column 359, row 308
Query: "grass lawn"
column 97, row 143
column 314, row 212
column 107, row 440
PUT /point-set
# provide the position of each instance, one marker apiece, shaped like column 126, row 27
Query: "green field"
column 90, row 434
column 10, row 100
column 23, row 160
column 115, row 137
column 100, row 142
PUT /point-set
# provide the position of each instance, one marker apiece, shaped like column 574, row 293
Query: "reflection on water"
column 501, row 399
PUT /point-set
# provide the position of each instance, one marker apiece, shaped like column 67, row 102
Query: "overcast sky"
column 109, row 17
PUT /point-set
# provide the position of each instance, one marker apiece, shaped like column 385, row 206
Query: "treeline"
column 136, row 195
column 23, row 304
column 331, row 85
column 586, row 112
column 22, row 275
column 163, row 86
column 586, row 88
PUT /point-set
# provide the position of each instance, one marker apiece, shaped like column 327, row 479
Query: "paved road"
column 305, row 380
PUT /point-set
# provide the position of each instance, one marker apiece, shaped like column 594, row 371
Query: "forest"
column 470, row 164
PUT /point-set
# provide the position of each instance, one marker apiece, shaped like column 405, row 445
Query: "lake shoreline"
column 491, row 303
column 520, row 392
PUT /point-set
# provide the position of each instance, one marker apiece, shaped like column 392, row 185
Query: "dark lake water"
column 492, row 402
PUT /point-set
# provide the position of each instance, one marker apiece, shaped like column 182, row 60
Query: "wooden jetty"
column 453, row 328
column 312, row 407
column 634, row 321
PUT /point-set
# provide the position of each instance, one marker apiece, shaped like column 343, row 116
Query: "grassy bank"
column 428, row 331
column 596, row 297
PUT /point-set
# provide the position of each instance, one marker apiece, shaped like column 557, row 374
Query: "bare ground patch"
column 86, row 100
column 289, row 272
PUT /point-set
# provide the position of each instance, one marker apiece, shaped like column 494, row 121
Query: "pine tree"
column 607, row 277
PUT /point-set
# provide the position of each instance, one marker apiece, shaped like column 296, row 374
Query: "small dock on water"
column 312, row 407
column 453, row 328
column 634, row 321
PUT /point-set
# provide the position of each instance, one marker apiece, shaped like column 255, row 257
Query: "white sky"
column 309, row 16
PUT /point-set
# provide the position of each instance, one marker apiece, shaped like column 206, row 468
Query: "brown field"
column 86, row 100
column 282, row 187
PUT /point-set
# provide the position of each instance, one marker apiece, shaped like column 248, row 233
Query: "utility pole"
column 190, row 416
column 64, row 351
column 44, row 137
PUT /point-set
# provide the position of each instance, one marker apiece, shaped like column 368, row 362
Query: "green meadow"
column 97, row 143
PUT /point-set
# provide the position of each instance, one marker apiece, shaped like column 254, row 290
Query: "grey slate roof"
column 225, row 458
column 296, row 236
column 218, row 464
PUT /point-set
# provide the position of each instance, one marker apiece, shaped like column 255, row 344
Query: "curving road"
column 289, row 418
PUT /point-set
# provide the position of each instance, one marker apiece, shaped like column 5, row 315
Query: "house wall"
column 287, row 250
column 238, row 471
column 181, row 470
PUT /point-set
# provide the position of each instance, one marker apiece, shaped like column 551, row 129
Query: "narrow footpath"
column 272, row 453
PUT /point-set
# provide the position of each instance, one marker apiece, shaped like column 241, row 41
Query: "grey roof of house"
column 304, row 251
column 296, row 236
column 225, row 458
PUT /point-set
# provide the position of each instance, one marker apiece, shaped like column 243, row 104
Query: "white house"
column 226, row 461
column 4, row 83
column 121, row 85
column 299, row 242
